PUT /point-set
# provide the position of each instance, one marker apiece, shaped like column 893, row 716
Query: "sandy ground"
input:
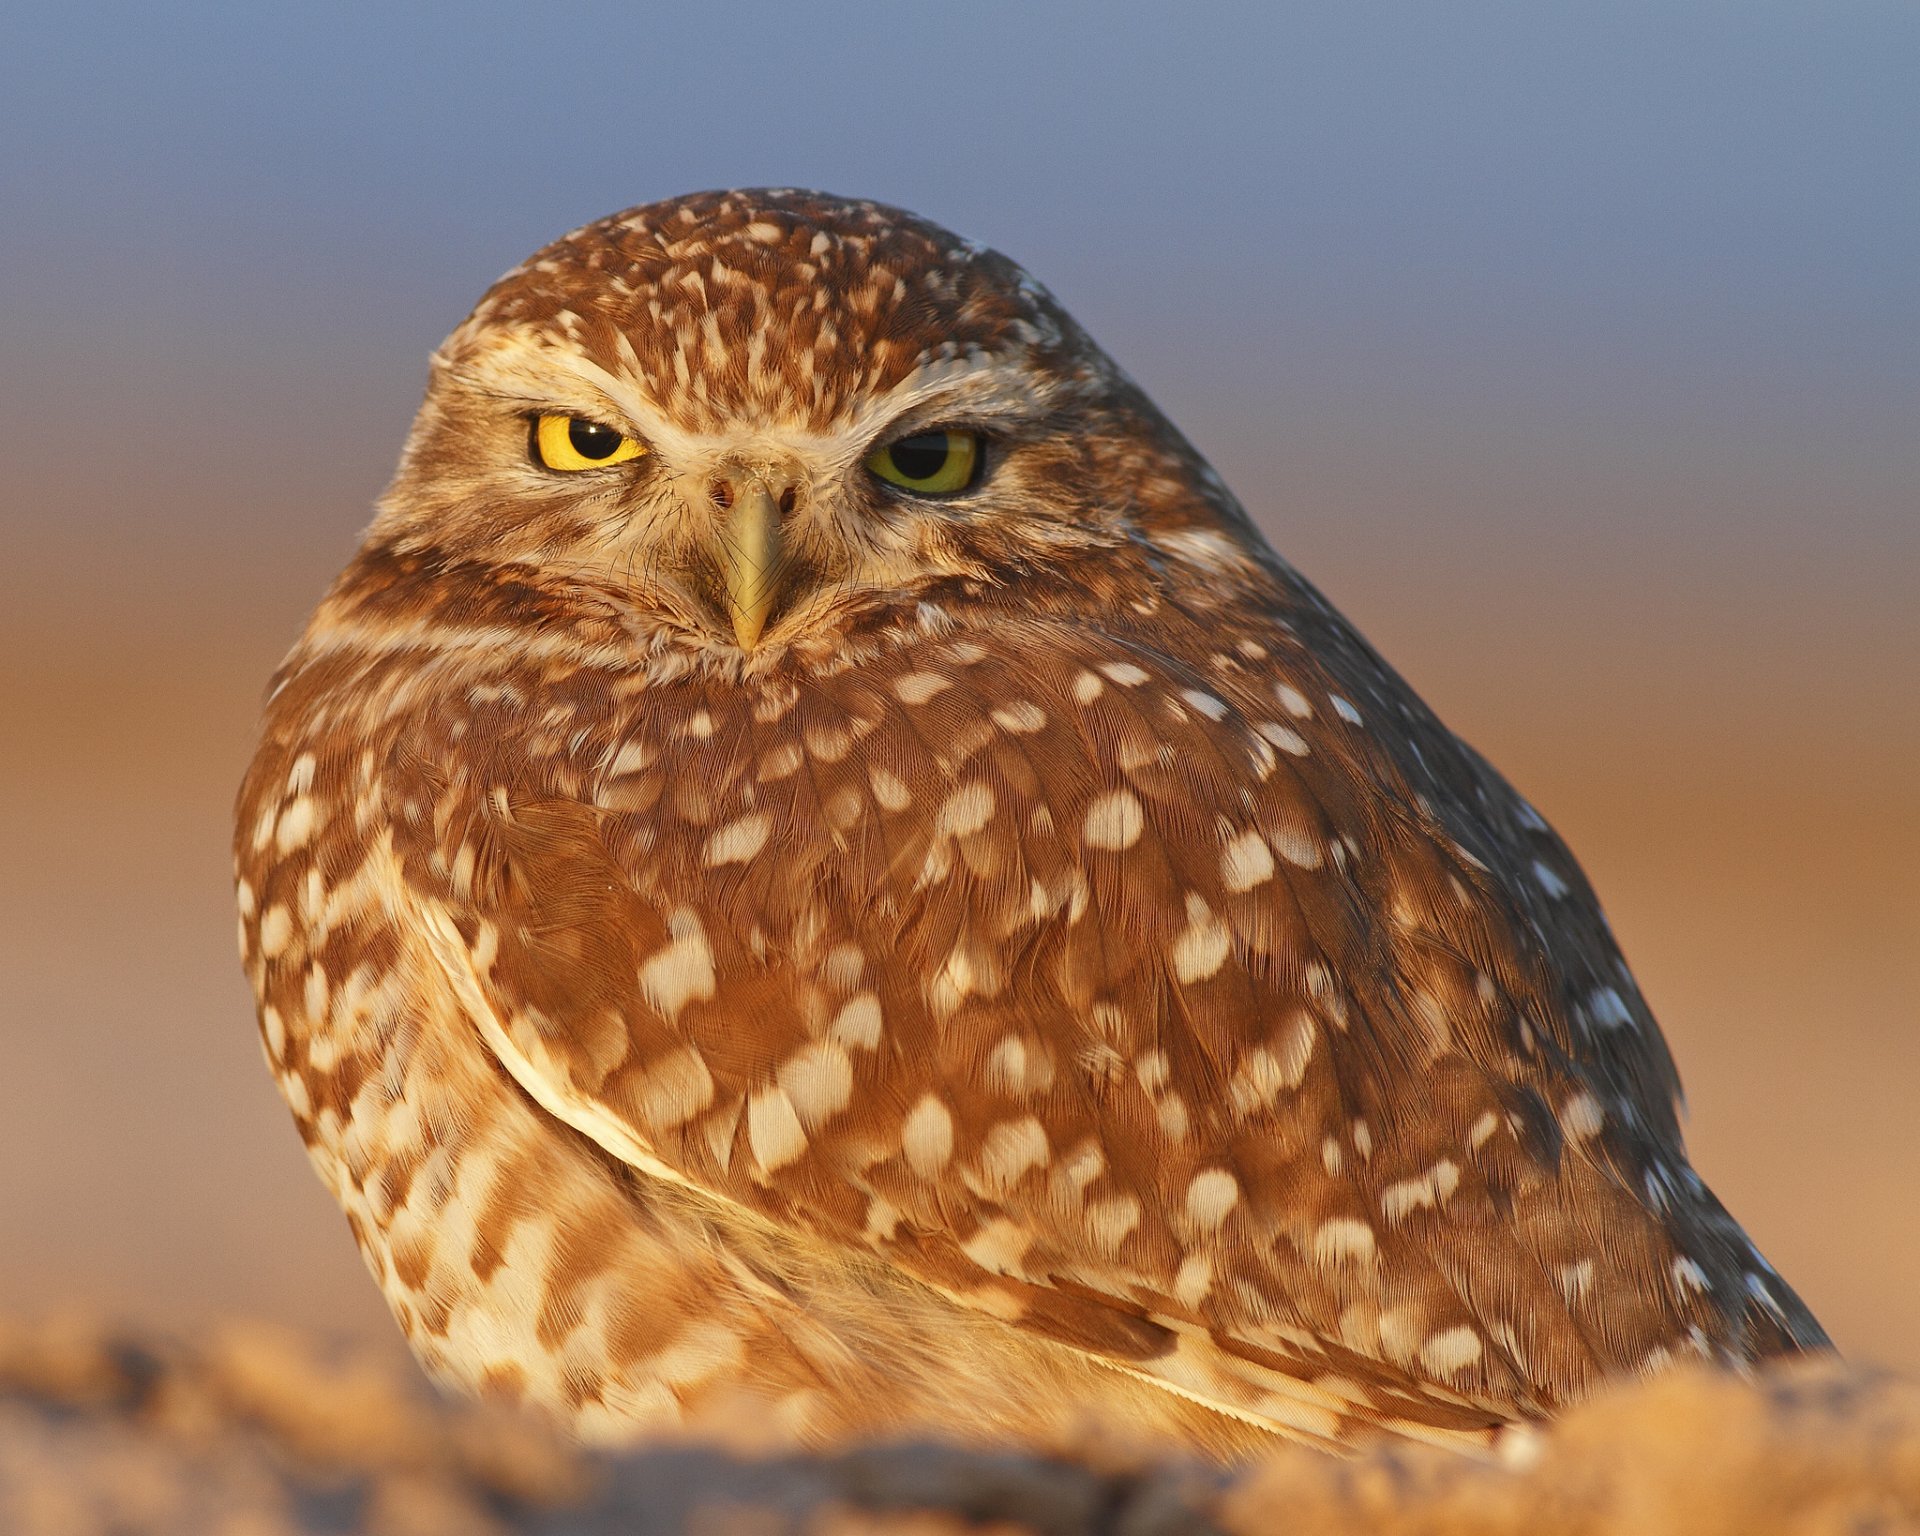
column 254, row 1431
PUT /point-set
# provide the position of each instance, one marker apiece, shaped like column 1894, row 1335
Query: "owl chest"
column 865, row 812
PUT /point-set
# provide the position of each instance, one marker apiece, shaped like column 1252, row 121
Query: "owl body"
column 745, row 921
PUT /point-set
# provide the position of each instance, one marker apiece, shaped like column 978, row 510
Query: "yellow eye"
column 932, row 463
column 573, row 443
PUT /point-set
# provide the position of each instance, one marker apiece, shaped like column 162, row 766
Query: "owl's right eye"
column 572, row 443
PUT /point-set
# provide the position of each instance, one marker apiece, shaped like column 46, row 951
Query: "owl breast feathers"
column 816, row 861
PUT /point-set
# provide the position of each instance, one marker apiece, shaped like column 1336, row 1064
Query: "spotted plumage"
column 733, row 930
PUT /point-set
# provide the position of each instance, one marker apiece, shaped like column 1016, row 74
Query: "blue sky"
column 1518, row 265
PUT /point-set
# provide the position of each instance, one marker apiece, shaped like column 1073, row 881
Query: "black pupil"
column 591, row 440
column 921, row 456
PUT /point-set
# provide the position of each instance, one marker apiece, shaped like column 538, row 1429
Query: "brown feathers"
column 1059, row 942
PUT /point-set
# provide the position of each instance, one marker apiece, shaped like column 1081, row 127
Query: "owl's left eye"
column 572, row 443
column 931, row 463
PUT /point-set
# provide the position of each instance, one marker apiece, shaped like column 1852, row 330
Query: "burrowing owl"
column 815, row 857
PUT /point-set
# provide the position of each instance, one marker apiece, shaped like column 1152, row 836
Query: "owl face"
column 734, row 418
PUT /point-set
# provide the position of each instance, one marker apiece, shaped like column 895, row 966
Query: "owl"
column 816, row 865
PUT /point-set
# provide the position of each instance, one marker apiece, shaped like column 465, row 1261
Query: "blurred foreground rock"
column 254, row 1432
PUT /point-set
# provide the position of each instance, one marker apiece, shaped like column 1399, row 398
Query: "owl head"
column 758, row 415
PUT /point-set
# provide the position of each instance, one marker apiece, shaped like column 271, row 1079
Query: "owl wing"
column 1204, row 1006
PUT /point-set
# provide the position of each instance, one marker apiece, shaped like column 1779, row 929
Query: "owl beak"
column 749, row 553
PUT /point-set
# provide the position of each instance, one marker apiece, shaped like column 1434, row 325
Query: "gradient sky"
column 1525, row 272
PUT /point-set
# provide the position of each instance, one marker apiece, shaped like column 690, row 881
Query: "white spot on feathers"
column 857, row 1024
column 1429, row 1189
column 1288, row 741
column 1114, row 821
column 818, row 1081
column 774, row 1131
column 1293, row 701
column 1211, row 1195
column 1202, row 946
column 1453, row 1349
column 926, row 1136
column 738, row 841
column 1246, row 863
column 918, row 687
column 1609, row 1009
column 966, row 810
column 682, row 970
column 1012, row 1150
column 1342, row 1239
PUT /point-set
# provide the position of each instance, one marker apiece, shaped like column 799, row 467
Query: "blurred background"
column 1574, row 351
